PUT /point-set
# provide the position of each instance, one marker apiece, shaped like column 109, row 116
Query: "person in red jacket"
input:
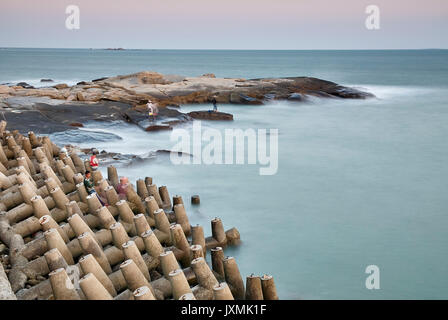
column 94, row 162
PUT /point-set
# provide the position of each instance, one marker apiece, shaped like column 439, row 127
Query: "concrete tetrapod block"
column 143, row 293
column 106, row 218
column 165, row 196
column 218, row 261
column 253, row 288
column 222, row 292
column 204, row 275
column 111, row 195
column 39, row 207
column 198, row 238
column 180, row 242
column 89, row 265
column 153, row 191
column 134, row 198
column 119, row 234
column 269, row 289
column 47, row 223
column 151, row 206
column 54, row 240
column 152, row 244
column 72, row 208
column 187, row 296
column 131, row 251
column 93, row 289
column 179, row 283
column 79, row 226
column 182, row 218
column 142, row 191
column 89, row 245
column 94, row 203
column 168, row 262
column 125, row 212
column 141, row 224
column 112, row 176
column 62, row 286
column 196, row 252
column 133, row 275
column 218, row 232
column 162, row 226
column 55, row 260
column 233, row 278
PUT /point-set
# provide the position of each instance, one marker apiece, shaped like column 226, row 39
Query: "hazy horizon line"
column 227, row 49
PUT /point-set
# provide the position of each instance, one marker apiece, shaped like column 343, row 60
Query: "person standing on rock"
column 152, row 111
column 215, row 107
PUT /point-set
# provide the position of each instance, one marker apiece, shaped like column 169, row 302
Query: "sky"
column 225, row 24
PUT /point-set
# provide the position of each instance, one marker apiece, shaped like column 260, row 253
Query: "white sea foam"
column 38, row 84
column 387, row 92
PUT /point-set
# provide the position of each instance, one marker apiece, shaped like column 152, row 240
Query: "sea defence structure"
column 63, row 244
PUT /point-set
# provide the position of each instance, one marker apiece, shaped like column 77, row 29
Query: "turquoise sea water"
column 359, row 182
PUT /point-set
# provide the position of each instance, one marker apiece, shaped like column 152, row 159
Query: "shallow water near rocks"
column 358, row 183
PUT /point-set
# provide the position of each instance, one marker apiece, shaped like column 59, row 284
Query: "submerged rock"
column 158, row 127
column 211, row 115
column 24, row 85
column 46, row 80
column 76, row 124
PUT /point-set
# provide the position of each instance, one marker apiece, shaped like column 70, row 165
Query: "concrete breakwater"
column 63, row 244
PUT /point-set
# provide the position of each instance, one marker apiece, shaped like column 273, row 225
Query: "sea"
column 360, row 183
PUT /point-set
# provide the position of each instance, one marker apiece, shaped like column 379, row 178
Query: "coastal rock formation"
column 158, row 128
column 124, row 98
column 210, row 115
column 166, row 90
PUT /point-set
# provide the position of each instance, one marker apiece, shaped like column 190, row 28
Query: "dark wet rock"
column 24, row 85
column 211, row 115
column 99, row 79
column 46, row 80
column 76, row 124
column 180, row 153
column 76, row 136
column 296, row 97
column 157, row 127
column 239, row 98
column 174, row 122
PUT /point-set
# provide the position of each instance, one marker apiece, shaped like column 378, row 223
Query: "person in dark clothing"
column 88, row 183
column 215, row 107
column 90, row 186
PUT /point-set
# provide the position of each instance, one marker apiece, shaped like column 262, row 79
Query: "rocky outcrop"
column 124, row 98
column 156, row 127
column 166, row 90
column 210, row 115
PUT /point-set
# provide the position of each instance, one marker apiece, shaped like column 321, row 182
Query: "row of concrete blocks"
column 85, row 213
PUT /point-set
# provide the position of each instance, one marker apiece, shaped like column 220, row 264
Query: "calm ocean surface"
column 359, row 182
